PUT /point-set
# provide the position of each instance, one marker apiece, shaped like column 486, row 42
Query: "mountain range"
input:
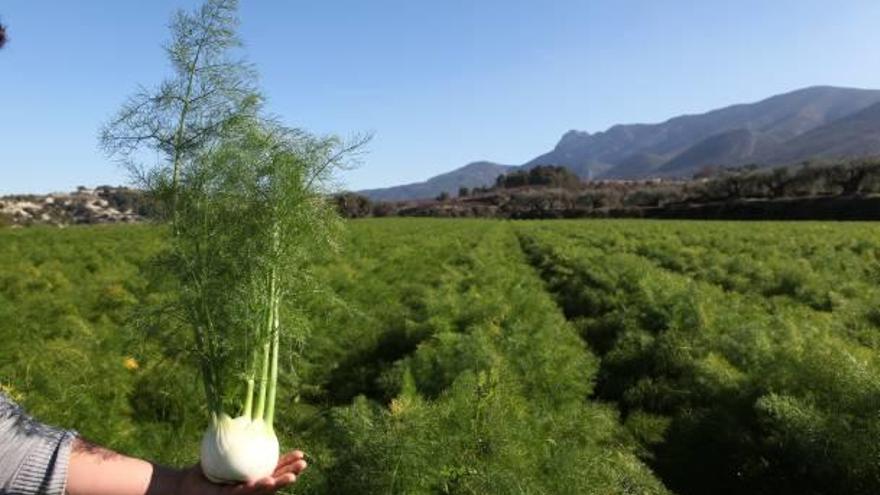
column 814, row 122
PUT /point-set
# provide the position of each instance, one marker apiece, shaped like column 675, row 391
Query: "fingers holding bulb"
column 292, row 462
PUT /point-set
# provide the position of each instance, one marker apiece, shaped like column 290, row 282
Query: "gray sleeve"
column 33, row 456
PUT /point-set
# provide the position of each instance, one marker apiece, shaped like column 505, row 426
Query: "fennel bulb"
column 238, row 449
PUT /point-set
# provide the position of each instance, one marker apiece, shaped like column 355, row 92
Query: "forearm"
column 95, row 470
column 39, row 459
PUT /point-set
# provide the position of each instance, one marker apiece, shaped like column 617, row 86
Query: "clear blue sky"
column 440, row 83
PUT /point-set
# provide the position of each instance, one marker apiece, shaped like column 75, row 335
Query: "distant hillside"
column 729, row 148
column 819, row 121
column 104, row 204
column 842, row 189
column 854, row 135
column 476, row 174
column 728, row 136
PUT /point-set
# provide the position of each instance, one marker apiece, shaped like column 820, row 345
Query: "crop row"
column 433, row 361
column 490, row 394
column 471, row 356
column 731, row 393
column 835, row 269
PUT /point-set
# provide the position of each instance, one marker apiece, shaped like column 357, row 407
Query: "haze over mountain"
column 474, row 174
column 819, row 121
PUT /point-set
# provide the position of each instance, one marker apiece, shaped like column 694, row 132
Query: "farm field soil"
column 479, row 356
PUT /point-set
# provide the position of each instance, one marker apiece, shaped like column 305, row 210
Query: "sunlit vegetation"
column 745, row 353
column 480, row 356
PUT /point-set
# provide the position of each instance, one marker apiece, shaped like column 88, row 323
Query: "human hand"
column 290, row 465
column 95, row 470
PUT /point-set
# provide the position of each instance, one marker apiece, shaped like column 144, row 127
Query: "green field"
column 478, row 356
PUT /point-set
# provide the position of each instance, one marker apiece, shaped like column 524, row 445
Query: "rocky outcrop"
column 103, row 204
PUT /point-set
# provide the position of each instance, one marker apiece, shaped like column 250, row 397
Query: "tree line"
column 556, row 191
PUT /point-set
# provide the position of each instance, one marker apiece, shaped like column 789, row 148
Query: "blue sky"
column 440, row 83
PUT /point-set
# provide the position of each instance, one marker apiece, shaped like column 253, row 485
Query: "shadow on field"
column 362, row 373
column 698, row 435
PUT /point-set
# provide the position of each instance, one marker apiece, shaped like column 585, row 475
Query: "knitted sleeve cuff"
column 44, row 471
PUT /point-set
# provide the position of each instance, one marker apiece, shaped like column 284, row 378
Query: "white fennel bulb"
column 238, row 449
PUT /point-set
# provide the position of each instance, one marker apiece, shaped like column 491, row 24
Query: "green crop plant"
column 248, row 217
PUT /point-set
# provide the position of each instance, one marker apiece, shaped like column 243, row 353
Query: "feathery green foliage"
column 245, row 198
column 491, row 357
column 755, row 342
column 249, row 216
column 186, row 114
